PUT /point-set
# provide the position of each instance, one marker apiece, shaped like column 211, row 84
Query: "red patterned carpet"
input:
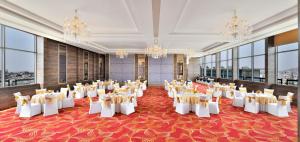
column 154, row 120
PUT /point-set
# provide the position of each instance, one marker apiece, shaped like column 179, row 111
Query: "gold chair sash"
column 203, row 102
column 282, row 101
column 107, row 102
column 24, row 102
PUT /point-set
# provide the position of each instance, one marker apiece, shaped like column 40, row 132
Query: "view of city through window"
column 287, row 64
column 20, row 52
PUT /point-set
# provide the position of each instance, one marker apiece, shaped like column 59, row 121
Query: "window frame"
column 276, row 60
column 3, row 55
column 252, row 56
column 227, row 60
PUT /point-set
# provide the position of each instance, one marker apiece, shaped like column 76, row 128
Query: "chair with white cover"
column 289, row 100
column 140, row 91
column 134, row 94
column 50, row 106
column 100, row 92
column 230, row 92
column 29, row 109
column 92, row 91
column 101, row 85
column 251, row 104
column 18, row 100
column 238, row 99
column 95, row 106
column 68, row 100
column 268, row 91
column 166, row 85
column 79, row 92
column 214, row 106
column 110, row 86
column 64, row 92
column 107, row 108
column 127, row 106
column 170, row 91
column 174, row 93
column 202, row 108
column 182, row 107
column 279, row 109
column 217, row 93
column 144, row 85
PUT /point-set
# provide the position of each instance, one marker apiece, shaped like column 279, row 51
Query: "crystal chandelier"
column 156, row 51
column 121, row 53
column 74, row 29
column 237, row 29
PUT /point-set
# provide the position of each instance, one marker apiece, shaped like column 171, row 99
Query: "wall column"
column 271, row 61
column 218, row 67
column 235, row 63
column 40, row 61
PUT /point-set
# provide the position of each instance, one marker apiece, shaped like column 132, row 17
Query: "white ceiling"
column 128, row 24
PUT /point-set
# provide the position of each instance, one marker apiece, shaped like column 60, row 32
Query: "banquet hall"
column 149, row 70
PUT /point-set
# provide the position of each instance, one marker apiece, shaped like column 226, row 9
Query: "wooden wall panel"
column 91, row 66
column 71, row 64
column 79, row 64
column 50, row 63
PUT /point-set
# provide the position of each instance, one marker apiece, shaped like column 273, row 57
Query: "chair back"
column 101, row 92
column 268, row 91
column 231, row 84
column 243, row 90
column 290, row 96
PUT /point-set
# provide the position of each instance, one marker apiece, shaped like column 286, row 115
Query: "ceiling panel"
column 101, row 16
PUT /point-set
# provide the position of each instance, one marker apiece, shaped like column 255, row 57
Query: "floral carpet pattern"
column 154, row 120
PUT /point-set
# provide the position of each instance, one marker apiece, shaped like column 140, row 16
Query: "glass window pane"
column 62, row 64
column 208, row 69
column 17, row 39
column 213, row 58
column 259, row 69
column 223, row 66
column 229, row 69
column 245, row 72
column 288, row 67
column 19, row 68
column 245, row 50
column 224, row 55
column 229, row 54
column 286, row 47
column 213, row 69
column 259, row 47
column 208, row 59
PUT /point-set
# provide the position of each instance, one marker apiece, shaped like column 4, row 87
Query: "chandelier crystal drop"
column 121, row 53
column 74, row 28
column 237, row 29
column 156, row 51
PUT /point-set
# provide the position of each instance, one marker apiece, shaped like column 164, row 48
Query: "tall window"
column 251, row 61
column 287, row 64
column 19, row 51
column 62, row 64
column 210, row 65
column 226, row 63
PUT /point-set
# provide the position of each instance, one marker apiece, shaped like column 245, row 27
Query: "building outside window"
column 226, row 63
column 18, row 49
column 210, row 66
column 287, row 64
column 251, row 61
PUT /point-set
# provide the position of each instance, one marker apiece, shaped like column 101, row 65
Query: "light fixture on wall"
column 237, row 29
column 121, row 53
column 74, row 28
column 156, row 51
